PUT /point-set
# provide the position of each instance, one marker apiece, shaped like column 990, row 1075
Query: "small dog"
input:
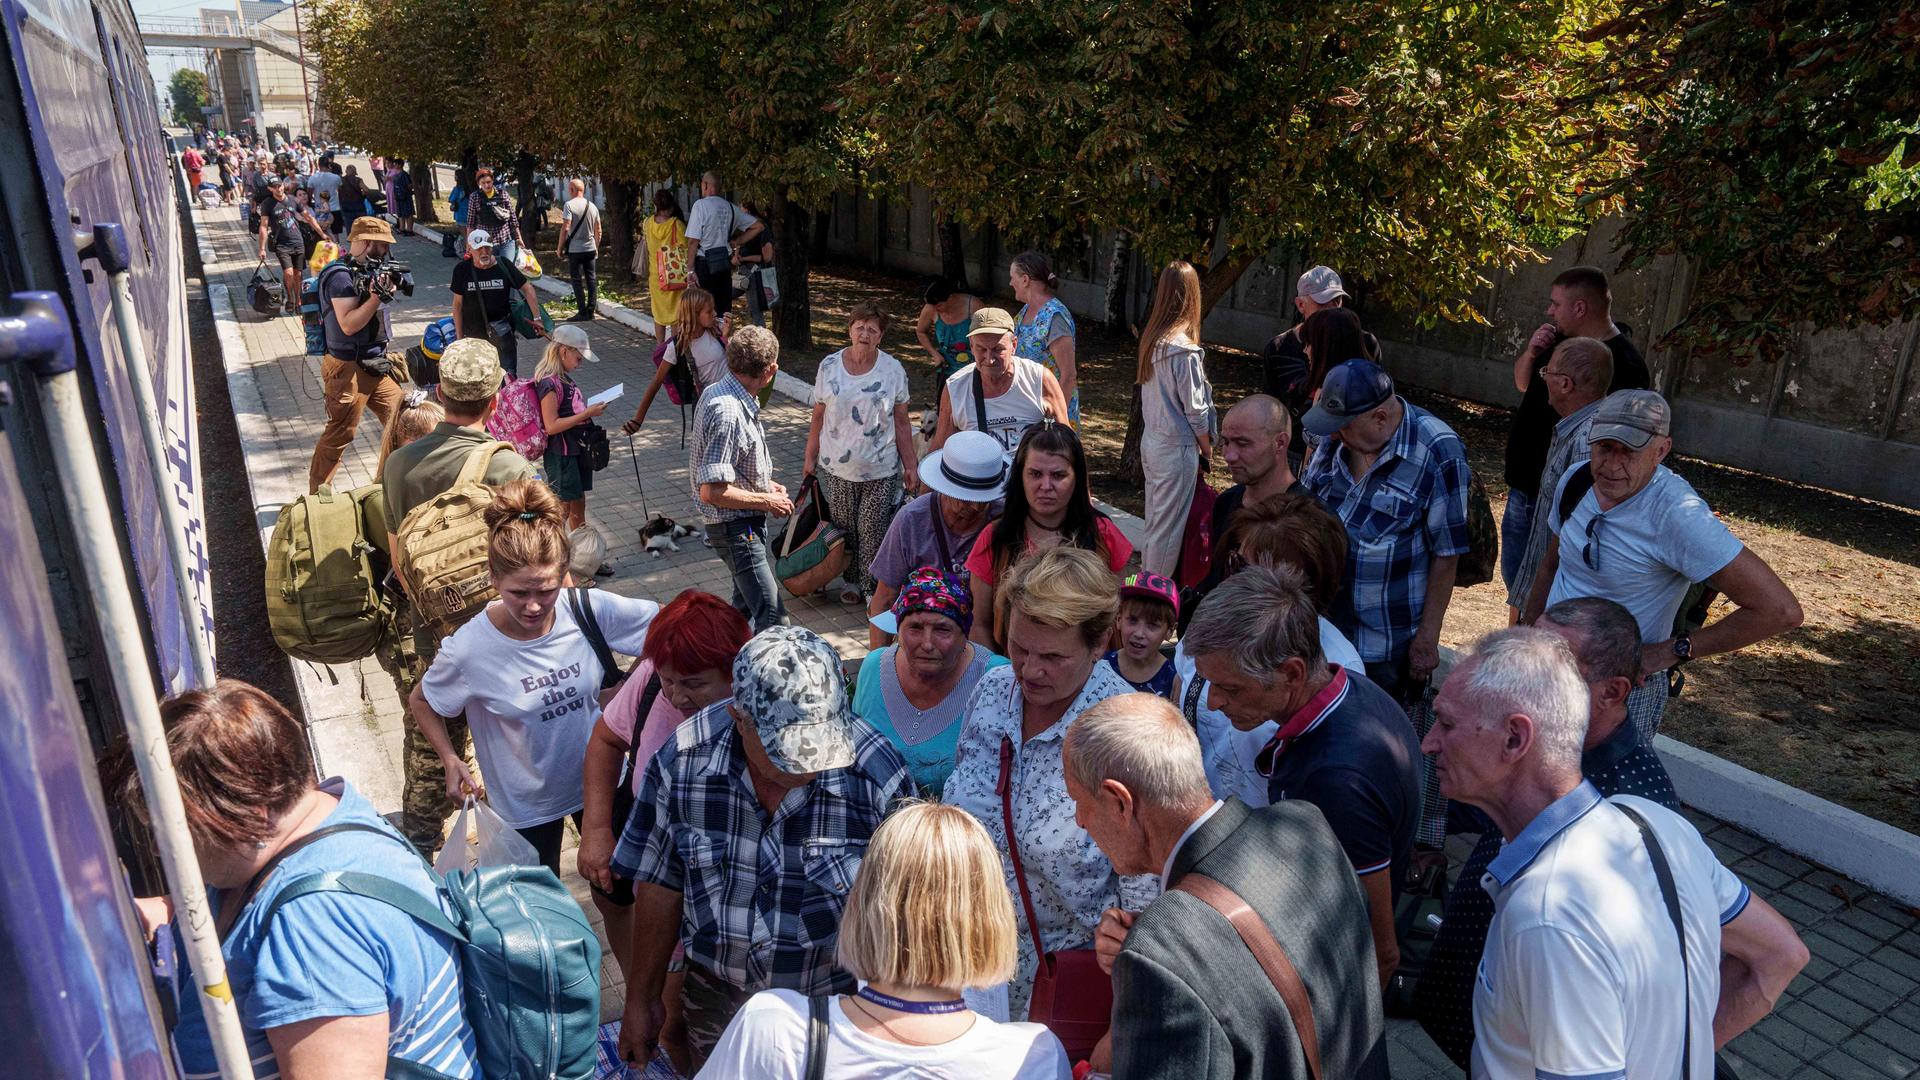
column 659, row 536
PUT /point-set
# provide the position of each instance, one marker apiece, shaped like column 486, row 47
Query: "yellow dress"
column 669, row 234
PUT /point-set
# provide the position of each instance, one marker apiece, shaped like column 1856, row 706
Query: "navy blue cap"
column 1351, row 389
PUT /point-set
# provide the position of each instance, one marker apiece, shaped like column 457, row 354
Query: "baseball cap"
column 573, row 337
column 990, row 320
column 1632, row 417
column 789, row 685
column 1351, row 389
column 470, row 371
column 1320, row 285
column 479, row 238
column 369, row 227
column 971, row 467
column 1153, row 587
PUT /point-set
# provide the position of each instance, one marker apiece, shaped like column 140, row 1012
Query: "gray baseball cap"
column 789, row 683
column 1321, row 285
column 1632, row 417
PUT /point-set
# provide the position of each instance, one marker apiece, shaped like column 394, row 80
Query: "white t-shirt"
column 1649, row 550
column 709, row 358
column 767, row 1040
column 576, row 209
column 708, row 222
column 1582, row 973
column 531, row 704
column 1009, row 415
column 1226, row 751
column 326, row 191
column 856, row 433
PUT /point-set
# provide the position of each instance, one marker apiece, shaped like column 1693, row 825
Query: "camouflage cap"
column 470, row 371
column 789, row 683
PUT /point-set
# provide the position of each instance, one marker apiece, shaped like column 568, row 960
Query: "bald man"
column 1254, row 437
column 580, row 246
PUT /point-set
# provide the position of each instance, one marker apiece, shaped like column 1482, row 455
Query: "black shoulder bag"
column 980, row 401
column 817, row 1037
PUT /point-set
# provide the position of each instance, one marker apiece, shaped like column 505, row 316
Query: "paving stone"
column 1893, row 957
column 1761, row 876
column 1799, row 914
column 1817, row 898
column 1781, row 860
column 1754, row 1051
column 1897, row 1036
column 1839, row 1006
column 1869, row 923
column 1886, row 1061
column 1872, row 995
column 1829, row 1031
column 1739, row 839
column 1852, row 939
column 1794, row 1039
column 1842, row 1066
column 1880, row 975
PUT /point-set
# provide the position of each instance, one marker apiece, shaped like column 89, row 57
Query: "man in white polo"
column 1583, row 976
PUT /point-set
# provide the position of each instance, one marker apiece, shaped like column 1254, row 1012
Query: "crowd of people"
column 1150, row 813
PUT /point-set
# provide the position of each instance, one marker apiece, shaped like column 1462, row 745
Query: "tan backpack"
column 443, row 548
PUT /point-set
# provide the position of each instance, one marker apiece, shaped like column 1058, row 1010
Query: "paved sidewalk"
column 1854, row 1013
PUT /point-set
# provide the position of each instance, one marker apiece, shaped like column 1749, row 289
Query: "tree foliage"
column 1415, row 145
column 190, row 96
column 409, row 77
column 1781, row 153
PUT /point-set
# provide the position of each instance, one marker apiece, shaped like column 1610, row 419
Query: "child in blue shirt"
column 1149, row 610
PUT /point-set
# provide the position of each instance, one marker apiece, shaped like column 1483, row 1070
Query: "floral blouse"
column 1071, row 880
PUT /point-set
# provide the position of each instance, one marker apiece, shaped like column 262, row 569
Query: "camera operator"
column 357, row 368
column 483, row 300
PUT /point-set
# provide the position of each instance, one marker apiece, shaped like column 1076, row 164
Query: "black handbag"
column 595, row 449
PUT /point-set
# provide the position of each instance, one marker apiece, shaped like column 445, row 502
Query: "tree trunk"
column 817, row 237
column 953, row 253
column 793, row 319
column 425, row 189
column 989, row 255
column 525, row 193
column 879, row 233
column 623, row 202
column 1219, row 279
column 470, row 161
column 1119, row 280
column 1130, row 469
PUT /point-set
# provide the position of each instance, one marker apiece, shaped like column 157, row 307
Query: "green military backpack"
column 324, row 601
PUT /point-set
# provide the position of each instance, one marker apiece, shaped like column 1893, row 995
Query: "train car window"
column 117, row 84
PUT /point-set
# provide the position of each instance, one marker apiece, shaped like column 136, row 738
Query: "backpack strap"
column 1663, row 873
column 475, row 469
column 817, row 1036
column 1574, row 488
column 583, row 616
column 979, row 400
column 229, row 916
column 373, row 887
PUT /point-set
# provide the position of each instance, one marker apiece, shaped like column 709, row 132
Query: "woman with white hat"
column 965, row 481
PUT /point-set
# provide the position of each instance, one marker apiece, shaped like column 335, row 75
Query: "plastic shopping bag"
column 493, row 842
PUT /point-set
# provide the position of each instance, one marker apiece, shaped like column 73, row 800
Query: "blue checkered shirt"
column 729, row 447
column 761, row 898
column 1409, row 509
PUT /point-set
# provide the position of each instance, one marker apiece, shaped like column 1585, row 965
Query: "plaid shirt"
column 761, row 897
column 729, row 447
column 1409, row 509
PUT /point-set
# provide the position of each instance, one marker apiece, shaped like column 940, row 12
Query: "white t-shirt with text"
column 531, row 704
column 767, row 1040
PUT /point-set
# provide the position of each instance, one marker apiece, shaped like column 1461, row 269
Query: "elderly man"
column 1254, row 436
column 1619, row 944
column 1342, row 743
column 1000, row 393
column 357, row 369
column 482, row 290
column 1397, row 476
column 580, row 246
column 965, row 480
column 1642, row 536
column 1579, row 304
column 744, row 842
column 1194, row 1001
column 716, row 228
column 733, row 474
column 1576, row 378
column 1606, row 645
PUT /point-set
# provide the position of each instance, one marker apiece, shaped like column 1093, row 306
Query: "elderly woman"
column 339, row 985
column 1287, row 530
column 1044, row 326
column 916, row 690
column 924, row 920
column 1062, row 604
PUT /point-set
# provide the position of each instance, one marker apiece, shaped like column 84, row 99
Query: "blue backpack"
column 312, row 315
column 529, row 959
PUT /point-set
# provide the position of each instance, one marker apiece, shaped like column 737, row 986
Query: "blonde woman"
column 700, row 326
column 925, row 919
column 1176, row 403
column 1061, row 605
column 563, row 412
column 525, row 675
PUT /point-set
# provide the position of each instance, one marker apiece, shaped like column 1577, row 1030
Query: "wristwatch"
column 1682, row 647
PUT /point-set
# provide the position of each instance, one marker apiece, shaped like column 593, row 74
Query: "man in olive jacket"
column 1189, row 998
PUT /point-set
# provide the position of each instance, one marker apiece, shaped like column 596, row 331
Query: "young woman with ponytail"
column 525, row 674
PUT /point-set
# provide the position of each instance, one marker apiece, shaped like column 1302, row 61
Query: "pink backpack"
column 516, row 419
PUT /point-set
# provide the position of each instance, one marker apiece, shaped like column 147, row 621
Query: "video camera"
column 384, row 276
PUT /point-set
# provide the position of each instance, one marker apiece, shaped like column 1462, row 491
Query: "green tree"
column 1780, row 147
column 188, row 89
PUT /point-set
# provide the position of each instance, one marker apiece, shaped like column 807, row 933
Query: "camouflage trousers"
column 424, row 805
column 708, row 1005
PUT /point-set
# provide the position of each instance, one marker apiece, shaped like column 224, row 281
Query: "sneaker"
column 582, row 316
column 603, row 570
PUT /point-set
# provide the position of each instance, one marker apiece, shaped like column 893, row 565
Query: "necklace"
column 920, row 1008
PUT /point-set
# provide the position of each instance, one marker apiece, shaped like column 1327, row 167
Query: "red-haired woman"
column 685, row 666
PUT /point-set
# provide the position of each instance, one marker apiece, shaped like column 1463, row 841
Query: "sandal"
column 851, row 595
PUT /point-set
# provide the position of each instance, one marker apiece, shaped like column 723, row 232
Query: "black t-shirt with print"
column 493, row 287
column 1533, row 423
column 283, row 224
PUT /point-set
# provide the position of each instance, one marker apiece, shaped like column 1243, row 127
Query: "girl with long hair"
column 700, row 325
column 1049, row 504
column 526, row 676
column 1176, row 406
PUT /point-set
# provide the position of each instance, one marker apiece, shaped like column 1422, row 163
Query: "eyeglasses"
column 1591, row 553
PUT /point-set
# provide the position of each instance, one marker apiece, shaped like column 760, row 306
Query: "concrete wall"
column 1842, row 411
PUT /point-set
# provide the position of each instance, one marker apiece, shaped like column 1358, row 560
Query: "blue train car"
column 86, row 189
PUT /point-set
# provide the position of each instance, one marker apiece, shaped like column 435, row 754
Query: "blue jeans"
column 1515, row 525
column 742, row 545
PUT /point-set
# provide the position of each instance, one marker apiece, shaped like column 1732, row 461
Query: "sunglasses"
column 1590, row 554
